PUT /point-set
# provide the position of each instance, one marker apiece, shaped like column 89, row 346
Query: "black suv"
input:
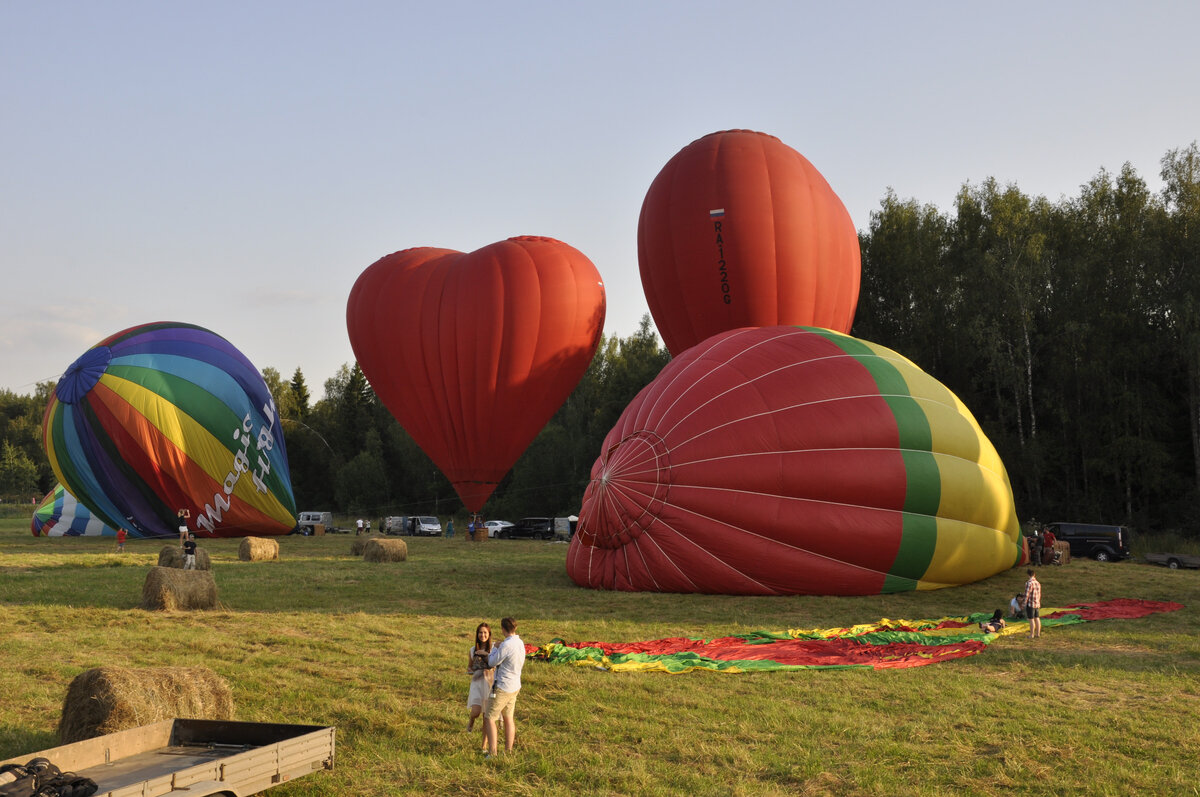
column 1102, row 543
column 541, row 528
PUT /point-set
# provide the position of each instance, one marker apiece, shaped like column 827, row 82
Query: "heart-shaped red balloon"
column 474, row 352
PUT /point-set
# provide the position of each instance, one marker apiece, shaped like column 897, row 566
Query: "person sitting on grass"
column 1016, row 606
column 994, row 625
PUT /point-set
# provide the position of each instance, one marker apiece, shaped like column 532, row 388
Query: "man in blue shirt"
column 508, row 658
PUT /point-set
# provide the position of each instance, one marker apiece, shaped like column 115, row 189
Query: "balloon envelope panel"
column 474, row 352
column 169, row 416
column 60, row 515
column 740, row 230
column 792, row 460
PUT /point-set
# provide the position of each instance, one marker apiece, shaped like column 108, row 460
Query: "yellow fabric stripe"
column 197, row 443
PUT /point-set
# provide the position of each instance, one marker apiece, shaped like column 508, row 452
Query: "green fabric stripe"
column 212, row 414
column 923, row 480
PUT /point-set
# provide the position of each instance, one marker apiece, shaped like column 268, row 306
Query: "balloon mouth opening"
column 83, row 374
column 630, row 491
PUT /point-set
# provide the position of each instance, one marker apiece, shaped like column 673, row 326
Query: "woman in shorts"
column 481, row 675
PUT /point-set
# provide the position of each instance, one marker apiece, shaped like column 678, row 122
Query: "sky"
column 237, row 165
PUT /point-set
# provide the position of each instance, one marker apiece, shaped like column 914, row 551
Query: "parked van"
column 309, row 519
column 564, row 527
column 1102, row 543
column 413, row 525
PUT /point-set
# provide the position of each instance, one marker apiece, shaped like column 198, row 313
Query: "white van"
column 413, row 526
column 309, row 519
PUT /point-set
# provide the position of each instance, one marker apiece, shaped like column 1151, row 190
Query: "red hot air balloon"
column 474, row 352
column 793, row 460
column 739, row 230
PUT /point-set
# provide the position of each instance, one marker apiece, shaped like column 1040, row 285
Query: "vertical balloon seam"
column 465, row 370
column 680, row 273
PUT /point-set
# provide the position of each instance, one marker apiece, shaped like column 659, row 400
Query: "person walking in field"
column 1033, row 604
column 509, row 659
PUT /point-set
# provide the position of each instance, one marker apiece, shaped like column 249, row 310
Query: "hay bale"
column 171, row 588
column 360, row 543
column 110, row 699
column 385, row 551
column 258, row 549
column 172, row 556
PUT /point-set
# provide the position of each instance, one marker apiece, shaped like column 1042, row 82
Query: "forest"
column 1070, row 328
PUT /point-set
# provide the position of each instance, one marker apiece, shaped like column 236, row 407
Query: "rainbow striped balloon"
column 168, row 416
column 794, row 460
column 60, row 515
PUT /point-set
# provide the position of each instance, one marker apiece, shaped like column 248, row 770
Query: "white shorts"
column 480, row 689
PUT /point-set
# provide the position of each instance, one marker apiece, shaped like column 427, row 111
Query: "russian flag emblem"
column 718, row 213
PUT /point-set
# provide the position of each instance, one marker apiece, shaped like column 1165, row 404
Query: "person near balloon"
column 1048, row 540
column 1016, row 606
column 509, row 659
column 482, row 677
column 450, row 528
column 993, row 625
column 183, row 525
column 1033, row 604
column 358, row 527
column 189, row 552
column 121, row 534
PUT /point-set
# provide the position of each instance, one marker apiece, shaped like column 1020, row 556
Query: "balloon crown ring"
column 83, row 374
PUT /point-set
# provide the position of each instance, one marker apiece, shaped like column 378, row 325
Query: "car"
column 1102, row 543
column 541, row 528
column 1173, row 560
column 494, row 527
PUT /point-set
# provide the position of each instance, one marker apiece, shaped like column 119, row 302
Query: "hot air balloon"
column 168, row 416
column 60, row 515
column 474, row 352
column 739, row 230
column 794, row 460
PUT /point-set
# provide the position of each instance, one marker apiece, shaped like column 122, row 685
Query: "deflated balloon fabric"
column 888, row 644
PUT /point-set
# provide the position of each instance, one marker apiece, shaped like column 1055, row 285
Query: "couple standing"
column 495, row 681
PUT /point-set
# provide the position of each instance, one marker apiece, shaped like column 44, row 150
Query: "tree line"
column 1070, row 329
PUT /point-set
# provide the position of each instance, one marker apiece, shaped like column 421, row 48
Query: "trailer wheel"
column 1173, row 564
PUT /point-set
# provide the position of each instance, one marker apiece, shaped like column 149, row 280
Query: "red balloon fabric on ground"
column 740, row 230
column 474, row 352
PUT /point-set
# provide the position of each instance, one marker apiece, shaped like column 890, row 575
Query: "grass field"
column 379, row 651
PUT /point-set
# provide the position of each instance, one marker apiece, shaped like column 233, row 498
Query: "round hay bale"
column 258, row 549
column 172, row 556
column 385, row 551
column 171, row 588
column 360, row 543
column 109, row 699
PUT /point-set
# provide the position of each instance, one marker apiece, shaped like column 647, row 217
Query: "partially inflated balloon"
column 740, row 230
column 474, row 352
column 60, row 515
column 164, row 417
column 792, row 460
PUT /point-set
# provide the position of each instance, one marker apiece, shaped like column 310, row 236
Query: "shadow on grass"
column 21, row 743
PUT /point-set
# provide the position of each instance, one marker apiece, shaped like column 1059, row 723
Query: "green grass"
column 379, row 651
